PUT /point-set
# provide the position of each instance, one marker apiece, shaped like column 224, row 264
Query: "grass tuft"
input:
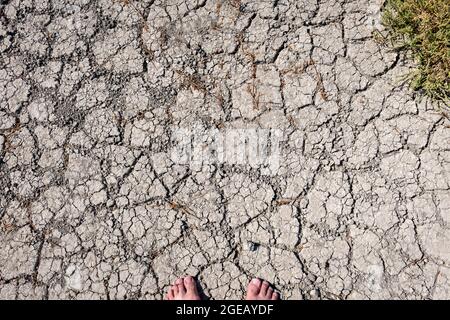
column 423, row 28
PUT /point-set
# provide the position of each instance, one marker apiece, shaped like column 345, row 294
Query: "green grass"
column 423, row 28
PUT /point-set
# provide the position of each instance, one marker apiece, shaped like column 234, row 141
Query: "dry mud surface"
column 92, row 205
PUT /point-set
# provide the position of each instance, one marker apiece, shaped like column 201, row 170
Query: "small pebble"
column 252, row 246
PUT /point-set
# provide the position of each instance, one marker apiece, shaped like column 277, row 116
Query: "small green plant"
column 423, row 28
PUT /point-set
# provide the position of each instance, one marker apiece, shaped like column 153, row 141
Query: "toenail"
column 256, row 281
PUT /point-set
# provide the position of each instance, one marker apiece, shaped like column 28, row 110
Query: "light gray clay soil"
column 93, row 206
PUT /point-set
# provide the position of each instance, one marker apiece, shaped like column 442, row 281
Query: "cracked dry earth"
column 93, row 207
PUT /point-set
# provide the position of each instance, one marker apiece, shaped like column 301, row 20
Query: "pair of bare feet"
column 186, row 289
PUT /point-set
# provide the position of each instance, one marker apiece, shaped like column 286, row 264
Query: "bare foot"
column 260, row 290
column 183, row 289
